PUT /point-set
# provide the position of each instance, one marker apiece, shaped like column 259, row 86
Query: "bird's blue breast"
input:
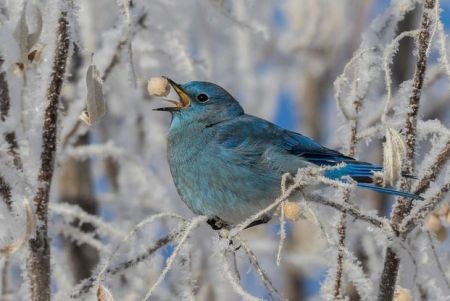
column 220, row 176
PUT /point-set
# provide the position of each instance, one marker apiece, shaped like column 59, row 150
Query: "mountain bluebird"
column 228, row 165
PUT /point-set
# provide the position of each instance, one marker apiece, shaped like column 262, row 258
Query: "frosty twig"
column 433, row 171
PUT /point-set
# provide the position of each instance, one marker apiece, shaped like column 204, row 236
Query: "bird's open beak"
column 184, row 99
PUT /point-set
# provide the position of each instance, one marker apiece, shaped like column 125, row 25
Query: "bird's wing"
column 251, row 140
column 313, row 152
column 257, row 139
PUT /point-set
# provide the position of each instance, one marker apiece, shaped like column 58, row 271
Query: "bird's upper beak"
column 184, row 99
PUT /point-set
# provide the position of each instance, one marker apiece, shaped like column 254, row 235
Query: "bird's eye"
column 202, row 98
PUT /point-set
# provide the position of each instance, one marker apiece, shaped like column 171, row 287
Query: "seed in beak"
column 158, row 86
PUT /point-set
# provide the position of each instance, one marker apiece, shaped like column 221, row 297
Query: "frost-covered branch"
column 38, row 264
column 403, row 206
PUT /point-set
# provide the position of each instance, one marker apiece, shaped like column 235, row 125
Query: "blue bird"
column 228, row 165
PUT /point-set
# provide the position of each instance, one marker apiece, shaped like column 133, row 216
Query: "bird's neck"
column 185, row 142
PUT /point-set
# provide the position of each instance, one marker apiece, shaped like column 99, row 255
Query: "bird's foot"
column 263, row 220
column 216, row 223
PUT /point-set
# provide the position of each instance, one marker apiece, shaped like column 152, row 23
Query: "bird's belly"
column 228, row 191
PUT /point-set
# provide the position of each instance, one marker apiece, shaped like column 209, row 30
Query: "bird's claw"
column 263, row 220
column 216, row 223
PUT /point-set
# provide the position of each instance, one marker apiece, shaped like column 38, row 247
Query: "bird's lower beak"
column 184, row 99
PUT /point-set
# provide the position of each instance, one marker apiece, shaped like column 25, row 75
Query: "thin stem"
column 262, row 274
column 171, row 260
column 342, row 226
column 4, row 277
column 438, row 262
column 350, row 210
column 417, row 216
column 233, row 280
column 89, row 283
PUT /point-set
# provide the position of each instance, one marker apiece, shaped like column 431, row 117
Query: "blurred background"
column 280, row 59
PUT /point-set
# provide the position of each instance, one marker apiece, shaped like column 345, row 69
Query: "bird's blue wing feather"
column 361, row 172
column 269, row 146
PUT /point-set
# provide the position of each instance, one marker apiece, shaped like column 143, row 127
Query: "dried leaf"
column 394, row 150
column 95, row 103
column 103, row 294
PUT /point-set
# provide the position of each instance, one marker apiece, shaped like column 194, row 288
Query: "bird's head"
column 202, row 102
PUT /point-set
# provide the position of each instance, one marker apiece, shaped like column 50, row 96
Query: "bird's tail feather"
column 390, row 191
